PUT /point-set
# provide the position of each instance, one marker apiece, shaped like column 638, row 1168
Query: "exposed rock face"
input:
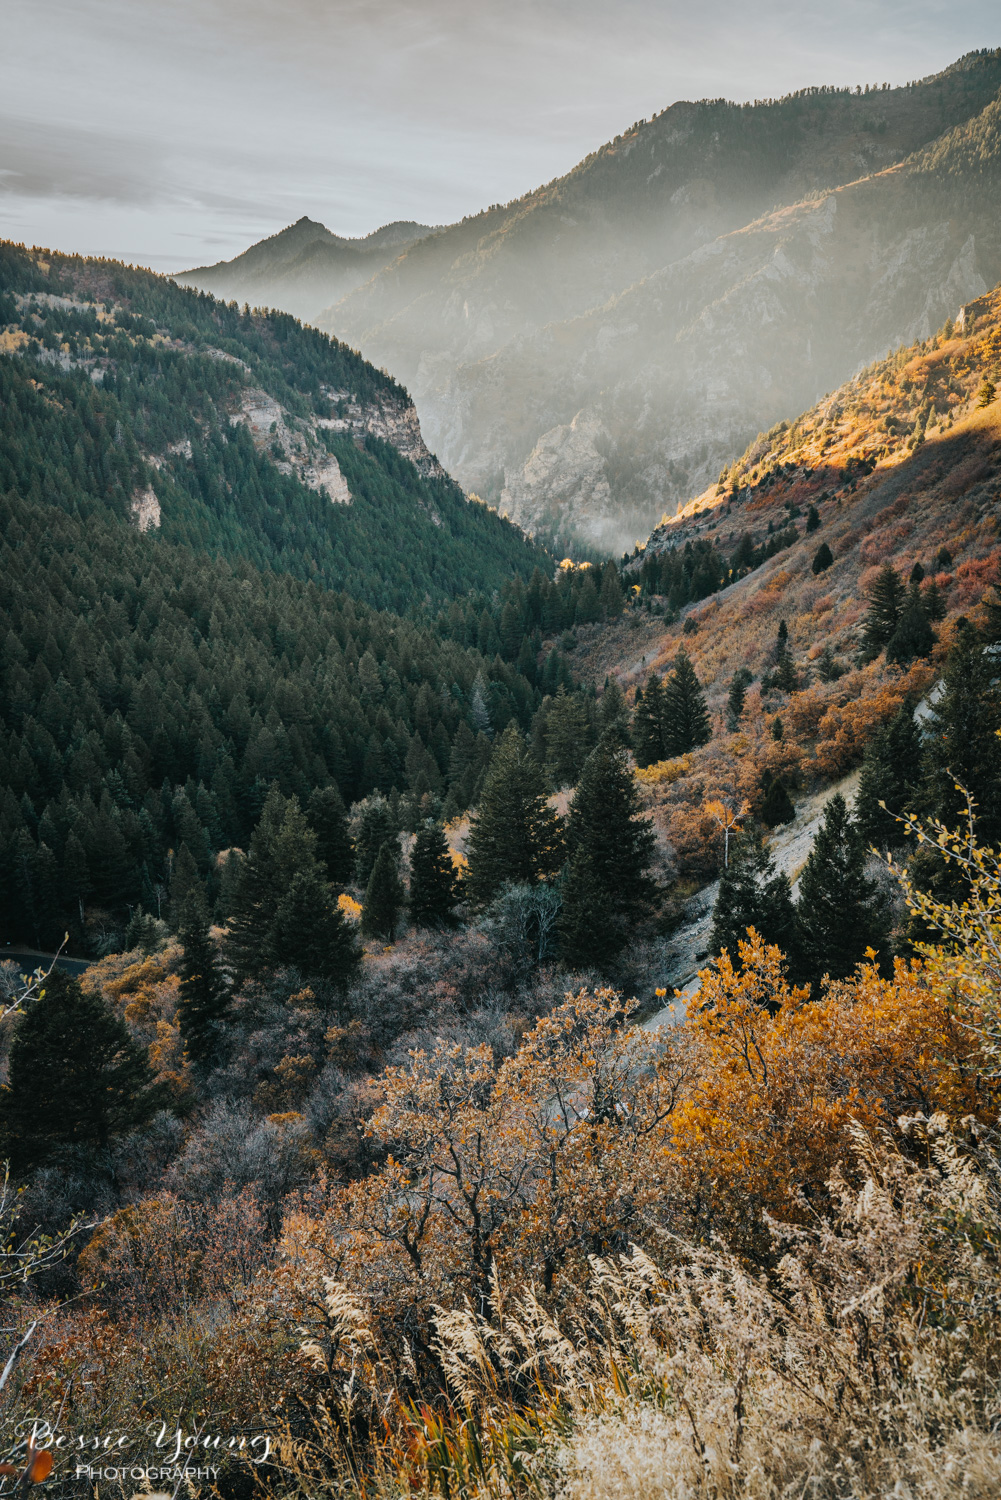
column 296, row 448
column 587, row 357
column 145, row 510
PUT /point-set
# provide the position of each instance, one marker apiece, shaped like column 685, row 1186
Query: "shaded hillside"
column 588, row 355
column 243, row 434
column 900, row 467
column 305, row 267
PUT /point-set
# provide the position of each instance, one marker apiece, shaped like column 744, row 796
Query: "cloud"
column 207, row 123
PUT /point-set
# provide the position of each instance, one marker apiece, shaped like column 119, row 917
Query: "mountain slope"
column 243, row 434
column 304, row 267
column 588, row 355
column 901, row 467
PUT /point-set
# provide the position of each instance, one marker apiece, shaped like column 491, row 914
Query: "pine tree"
column 913, row 636
column 607, row 889
column 648, row 723
column 184, row 878
column 611, row 591
column 823, row 558
column 383, row 896
column 812, row 521
column 886, row 602
column 960, row 739
column 76, row 1078
column 515, row 835
column 890, row 773
column 753, row 893
column 334, row 848
column 433, row 894
column 613, row 716
column 310, row 932
column 376, row 828
column 840, row 911
column 739, row 683
column 778, row 805
column 686, row 718
column 282, row 846
column 569, row 737
column 203, row 1001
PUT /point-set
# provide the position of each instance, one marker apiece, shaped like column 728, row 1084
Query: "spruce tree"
column 569, row 737
column 515, row 835
column 282, row 846
column 613, row 715
column 777, row 806
column 739, row 684
column 433, row 895
column 376, row 828
column 686, row 718
column 913, row 636
column 203, row 998
column 383, row 896
column 76, row 1078
column 960, row 739
column 310, row 932
column 607, row 888
column 648, row 723
column 823, row 558
column 753, row 893
column 839, row 911
column 890, row 774
column 812, row 519
column 886, row 603
column 334, row 848
column 184, row 878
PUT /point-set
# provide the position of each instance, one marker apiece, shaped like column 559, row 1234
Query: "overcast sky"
column 177, row 132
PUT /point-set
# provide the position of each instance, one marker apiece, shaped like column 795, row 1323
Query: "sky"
column 174, row 133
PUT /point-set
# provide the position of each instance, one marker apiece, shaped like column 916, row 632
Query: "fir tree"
column 686, row 718
column 283, row 845
column 568, row 737
column 823, row 558
column 310, row 932
column 840, row 911
column 613, row 715
column 383, row 896
column 778, row 805
column 739, row 684
column 813, row 521
column 913, row 636
column 76, row 1078
column 377, row 826
column 334, row 848
column 886, row 602
column 753, row 893
column 433, row 895
column 515, row 835
column 607, row 889
column 890, row 773
column 960, row 739
column 184, row 879
column 648, row 723
column 203, row 1000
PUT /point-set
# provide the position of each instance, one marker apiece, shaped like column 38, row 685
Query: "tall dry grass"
column 867, row 1365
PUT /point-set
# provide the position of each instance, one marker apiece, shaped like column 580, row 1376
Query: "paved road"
column 29, row 962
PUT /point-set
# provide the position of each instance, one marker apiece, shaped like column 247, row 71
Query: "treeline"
column 151, row 696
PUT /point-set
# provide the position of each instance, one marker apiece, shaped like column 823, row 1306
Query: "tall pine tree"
column 433, row 894
column 383, row 896
column 515, row 835
column 840, row 911
column 334, row 848
column 891, row 771
column 753, row 893
column 311, row 933
column 685, row 718
column 648, row 723
column 203, row 997
column 76, row 1078
column 607, row 889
